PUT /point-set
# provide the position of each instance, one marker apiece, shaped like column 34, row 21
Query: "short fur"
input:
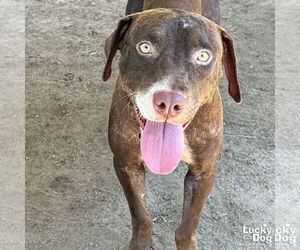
column 205, row 132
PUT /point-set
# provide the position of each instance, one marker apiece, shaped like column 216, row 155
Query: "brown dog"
column 167, row 93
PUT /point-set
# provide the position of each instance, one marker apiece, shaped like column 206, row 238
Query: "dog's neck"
column 188, row 5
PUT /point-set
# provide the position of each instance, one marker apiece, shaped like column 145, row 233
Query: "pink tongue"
column 162, row 146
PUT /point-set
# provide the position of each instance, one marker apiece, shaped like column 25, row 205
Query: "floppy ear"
column 112, row 44
column 229, row 61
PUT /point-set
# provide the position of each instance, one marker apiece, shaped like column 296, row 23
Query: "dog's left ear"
column 229, row 61
column 112, row 43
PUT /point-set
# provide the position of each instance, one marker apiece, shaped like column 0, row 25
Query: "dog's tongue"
column 162, row 146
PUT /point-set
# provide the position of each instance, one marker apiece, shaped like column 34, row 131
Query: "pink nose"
column 168, row 104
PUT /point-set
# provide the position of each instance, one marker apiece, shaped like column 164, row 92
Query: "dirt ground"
column 73, row 198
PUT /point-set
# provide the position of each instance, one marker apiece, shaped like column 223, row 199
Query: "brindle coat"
column 177, row 32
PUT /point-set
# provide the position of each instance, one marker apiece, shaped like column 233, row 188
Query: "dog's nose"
column 168, row 103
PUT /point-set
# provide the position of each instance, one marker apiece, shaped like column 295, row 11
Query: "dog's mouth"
column 142, row 120
column 161, row 143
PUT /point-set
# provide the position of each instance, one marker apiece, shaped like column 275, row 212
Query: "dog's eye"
column 204, row 57
column 144, row 48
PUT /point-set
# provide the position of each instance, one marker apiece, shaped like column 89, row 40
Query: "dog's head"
column 171, row 62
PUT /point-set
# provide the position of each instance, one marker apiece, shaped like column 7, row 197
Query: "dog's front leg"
column 197, row 186
column 132, row 179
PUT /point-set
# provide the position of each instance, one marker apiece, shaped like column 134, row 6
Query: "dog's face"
column 171, row 63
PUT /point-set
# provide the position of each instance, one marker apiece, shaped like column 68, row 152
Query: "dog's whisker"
column 123, row 97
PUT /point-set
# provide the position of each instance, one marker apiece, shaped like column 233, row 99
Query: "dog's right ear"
column 112, row 43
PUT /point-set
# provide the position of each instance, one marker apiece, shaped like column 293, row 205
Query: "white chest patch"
column 187, row 155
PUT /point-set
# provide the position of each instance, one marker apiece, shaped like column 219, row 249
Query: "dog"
column 166, row 106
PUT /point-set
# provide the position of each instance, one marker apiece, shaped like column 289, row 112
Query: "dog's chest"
column 187, row 155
